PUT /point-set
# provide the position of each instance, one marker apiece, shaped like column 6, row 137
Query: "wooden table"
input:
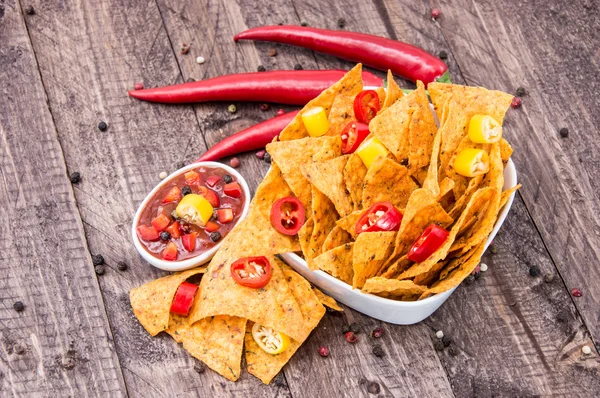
column 68, row 66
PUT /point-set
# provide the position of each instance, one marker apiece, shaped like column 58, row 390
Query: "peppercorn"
column 453, row 351
column 261, row 154
column 185, row 48
column 470, row 279
column 75, row 177
column 19, row 349
column 280, row 112
column 215, row 236
column 477, row 274
column 377, row 333
column 272, row 52
column 351, row 337
column 165, row 236
column 99, row 269
column 231, row 108
column 534, row 271
column 564, row 132
column 378, row 351
column 18, row 306
column 341, row 23
column 446, row 340
column 404, row 161
column 261, row 68
column 267, row 157
column 227, row 179
column 234, row 162
column 186, row 190
column 190, row 80
column 548, row 278
column 438, row 345
column 354, row 327
column 493, row 249
column 97, row 259
column 138, row 86
column 435, row 13
column 576, row 292
column 199, row 367
column 323, row 351
column 515, row 103
column 122, row 265
column 303, row 23
column 29, row 10
column 264, row 107
column 373, row 388
column 521, row 91
column 298, row 67
column 443, row 55
column 345, row 328
column 102, row 126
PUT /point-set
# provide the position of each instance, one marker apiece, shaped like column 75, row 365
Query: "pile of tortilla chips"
column 417, row 177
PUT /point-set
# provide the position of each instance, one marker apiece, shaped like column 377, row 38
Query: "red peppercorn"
column 435, row 13
column 515, row 103
column 280, row 112
column 264, row 107
column 235, row 163
column 138, row 86
column 261, row 154
column 576, row 292
column 323, row 351
column 377, row 333
column 351, row 337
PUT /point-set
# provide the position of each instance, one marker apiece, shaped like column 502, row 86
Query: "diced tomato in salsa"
column 160, row 222
column 189, row 241
column 174, row 195
column 192, row 178
column 211, row 226
column 170, row 252
column 147, row 233
column 225, row 216
column 175, row 230
column 212, row 181
column 233, row 189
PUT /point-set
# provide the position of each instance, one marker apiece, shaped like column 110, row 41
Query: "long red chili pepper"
column 254, row 137
column 294, row 87
column 381, row 53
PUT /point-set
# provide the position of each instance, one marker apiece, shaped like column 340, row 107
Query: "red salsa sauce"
column 160, row 231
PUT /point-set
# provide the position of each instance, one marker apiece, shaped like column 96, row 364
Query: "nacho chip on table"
column 152, row 301
column 337, row 262
column 393, row 288
column 342, row 113
column 506, row 194
column 304, row 235
column 387, row 181
column 391, row 127
column 354, row 176
column 324, row 216
column 422, row 130
column 370, row 252
column 217, row 341
column 327, row 177
column 348, row 223
column 327, row 301
column 351, row 84
column 336, row 237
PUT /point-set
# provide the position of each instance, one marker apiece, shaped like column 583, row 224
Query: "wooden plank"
column 91, row 53
column 60, row 344
column 551, row 50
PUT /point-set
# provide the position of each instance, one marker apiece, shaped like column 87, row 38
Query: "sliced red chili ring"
column 353, row 135
column 382, row 216
column 184, row 298
column 428, row 243
column 287, row 215
column 366, row 106
column 254, row 272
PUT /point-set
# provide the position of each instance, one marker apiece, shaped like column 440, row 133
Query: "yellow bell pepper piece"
column 472, row 162
column 370, row 150
column 484, row 129
column 194, row 209
column 269, row 340
column 316, row 122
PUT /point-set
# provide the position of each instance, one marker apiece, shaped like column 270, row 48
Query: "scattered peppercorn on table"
column 79, row 155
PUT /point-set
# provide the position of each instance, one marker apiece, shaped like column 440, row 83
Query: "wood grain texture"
column 551, row 49
column 60, row 344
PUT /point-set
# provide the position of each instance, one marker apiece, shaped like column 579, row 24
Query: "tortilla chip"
column 290, row 155
column 445, row 186
column 273, row 305
column 354, row 175
column 304, row 235
column 217, row 341
column 431, row 182
column 351, row 84
column 393, row 91
column 327, row 177
column 266, row 366
column 505, row 150
column 337, row 262
column 422, row 130
column 371, row 250
column 387, row 181
column 459, row 205
column 391, row 126
column 393, row 288
column 151, row 302
column 329, row 150
column 396, row 268
column 326, row 300
column 427, row 278
column 342, row 113
column 506, row 194
column 324, row 216
column 381, row 94
column 336, row 237
column 348, row 223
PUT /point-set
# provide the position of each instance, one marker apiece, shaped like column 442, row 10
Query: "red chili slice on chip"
column 353, row 135
column 382, row 216
column 254, row 272
column 184, row 298
column 287, row 215
column 366, row 106
column 430, row 240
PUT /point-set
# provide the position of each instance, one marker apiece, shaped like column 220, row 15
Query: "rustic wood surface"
column 66, row 67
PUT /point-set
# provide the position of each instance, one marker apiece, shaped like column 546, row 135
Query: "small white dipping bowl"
column 201, row 258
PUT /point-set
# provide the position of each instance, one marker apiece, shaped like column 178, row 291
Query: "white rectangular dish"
column 387, row 310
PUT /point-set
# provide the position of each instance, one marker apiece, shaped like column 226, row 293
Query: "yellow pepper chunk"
column 269, row 340
column 370, row 150
column 484, row 129
column 194, row 209
column 472, row 162
column 316, row 122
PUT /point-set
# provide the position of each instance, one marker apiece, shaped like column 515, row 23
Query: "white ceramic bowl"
column 387, row 310
column 204, row 257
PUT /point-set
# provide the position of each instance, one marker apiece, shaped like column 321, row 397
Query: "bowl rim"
column 200, row 258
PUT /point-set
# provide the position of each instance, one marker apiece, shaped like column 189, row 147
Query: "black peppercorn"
column 99, row 269
column 186, row 190
column 303, row 23
column 341, row 23
column 378, row 351
column 215, row 236
column 122, row 265
column 443, row 55
column 345, row 328
column 354, row 327
column 521, row 91
column 453, row 351
column 199, row 367
column 564, row 132
column 75, row 177
column 19, row 306
column 267, row 158
column 534, row 271
column 97, row 259
column 165, row 236
column 438, row 345
column 261, row 68
column 29, row 10
column 404, row 161
column 102, row 126
column 470, row 279
column 373, row 388
column 446, row 341
column 298, row 67
column 227, row 179
column 190, row 80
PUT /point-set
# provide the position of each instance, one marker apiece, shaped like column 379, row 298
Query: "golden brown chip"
column 387, row 181
column 393, row 288
column 391, row 127
column 371, row 250
column 342, row 113
column 151, row 302
column 337, row 262
column 431, row 182
column 422, row 130
column 396, row 268
column 217, row 341
column 348, row 223
column 381, row 94
column 304, row 237
column 505, row 150
column 354, row 175
column 336, row 237
column 446, row 186
column 324, row 216
column 351, row 84
column 326, row 300
column 506, row 194
column 427, row 278
column 327, row 176
column 393, row 91
column 459, row 205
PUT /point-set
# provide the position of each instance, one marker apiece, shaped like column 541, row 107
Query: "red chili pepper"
column 380, row 53
column 430, row 240
column 252, row 138
column 353, row 135
column 294, row 87
column 254, row 272
column 184, row 297
column 382, row 216
column 287, row 215
column 366, row 106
